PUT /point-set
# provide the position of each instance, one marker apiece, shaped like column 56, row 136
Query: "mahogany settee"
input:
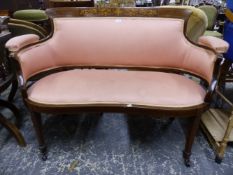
column 117, row 60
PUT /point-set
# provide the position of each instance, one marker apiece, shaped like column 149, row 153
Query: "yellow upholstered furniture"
column 197, row 22
column 211, row 13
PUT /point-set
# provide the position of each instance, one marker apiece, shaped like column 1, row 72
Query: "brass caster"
column 44, row 157
column 187, row 162
column 43, row 151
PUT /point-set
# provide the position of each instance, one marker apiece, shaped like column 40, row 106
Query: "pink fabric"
column 117, row 87
column 149, row 42
column 219, row 45
column 18, row 42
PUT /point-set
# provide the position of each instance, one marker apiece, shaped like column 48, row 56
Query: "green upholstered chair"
column 197, row 22
column 211, row 13
column 213, row 33
column 20, row 27
column 33, row 15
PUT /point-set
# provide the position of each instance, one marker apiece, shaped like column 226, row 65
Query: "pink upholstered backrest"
column 118, row 41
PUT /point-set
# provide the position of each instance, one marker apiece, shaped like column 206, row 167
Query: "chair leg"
column 13, row 90
column 190, row 139
column 13, row 109
column 13, row 129
column 37, row 123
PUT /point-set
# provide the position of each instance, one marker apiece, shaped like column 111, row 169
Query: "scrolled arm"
column 218, row 45
column 18, row 42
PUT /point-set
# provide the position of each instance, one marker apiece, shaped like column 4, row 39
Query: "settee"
column 117, row 60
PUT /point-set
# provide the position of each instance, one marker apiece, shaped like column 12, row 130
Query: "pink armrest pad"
column 219, row 45
column 16, row 43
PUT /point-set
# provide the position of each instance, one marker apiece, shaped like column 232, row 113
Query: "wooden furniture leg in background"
column 14, row 87
column 223, row 143
column 217, row 125
column 13, row 109
column 13, row 129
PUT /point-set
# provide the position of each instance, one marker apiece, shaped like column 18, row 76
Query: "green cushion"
column 31, row 15
column 197, row 22
column 213, row 33
column 211, row 13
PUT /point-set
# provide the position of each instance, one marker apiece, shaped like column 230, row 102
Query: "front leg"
column 190, row 139
column 37, row 123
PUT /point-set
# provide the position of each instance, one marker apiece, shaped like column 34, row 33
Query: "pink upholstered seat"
column 117, row 87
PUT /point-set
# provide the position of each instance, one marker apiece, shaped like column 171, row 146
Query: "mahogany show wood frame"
column 194, row 112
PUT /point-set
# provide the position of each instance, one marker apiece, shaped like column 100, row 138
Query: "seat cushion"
column 91, row 86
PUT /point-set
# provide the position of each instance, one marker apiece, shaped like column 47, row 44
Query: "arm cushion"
column 19, row 42
column 217, row 44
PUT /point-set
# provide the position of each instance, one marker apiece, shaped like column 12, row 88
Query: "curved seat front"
column 98, row 86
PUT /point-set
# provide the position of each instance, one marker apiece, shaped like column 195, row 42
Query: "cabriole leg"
column 37, row 123
column 190, row 139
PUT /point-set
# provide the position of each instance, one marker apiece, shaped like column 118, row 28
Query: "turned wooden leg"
column 190, row 139
column 37, row 123
column 13, row 129
column 221, row 151
column 13, row 91
column 13, row 109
